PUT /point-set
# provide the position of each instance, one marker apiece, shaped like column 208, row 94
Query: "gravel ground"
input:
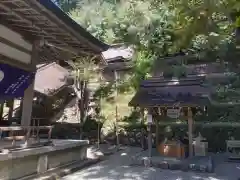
column 117, row 168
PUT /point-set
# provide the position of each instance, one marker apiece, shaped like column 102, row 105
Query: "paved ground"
column 117, row 168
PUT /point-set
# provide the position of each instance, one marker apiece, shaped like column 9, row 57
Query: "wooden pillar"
column 142, row 128
column 157, row 132
column 238, row 35
column 27, row 106
column 190, row 129
column 1, row 109
column 20, row 108
column 29, row 92
column 10, row 111
column 149, row 140
column 157, row 126
column 149, row 121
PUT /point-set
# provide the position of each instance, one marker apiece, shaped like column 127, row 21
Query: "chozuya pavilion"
column 32, row 32
column 160, row 95
column 182, row 96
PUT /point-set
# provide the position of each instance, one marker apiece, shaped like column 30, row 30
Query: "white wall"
column 12, row 52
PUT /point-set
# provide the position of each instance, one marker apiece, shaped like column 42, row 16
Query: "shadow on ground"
column 117, row 167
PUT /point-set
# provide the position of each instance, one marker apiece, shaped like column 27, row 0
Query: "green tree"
column 156, row 28
column 84, row 70
column 161, row 27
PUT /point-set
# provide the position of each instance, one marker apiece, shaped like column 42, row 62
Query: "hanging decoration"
column 14, row 81
column 149, row 119
column 173, row 113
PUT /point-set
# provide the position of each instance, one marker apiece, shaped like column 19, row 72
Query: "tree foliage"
column 83, row 70
column 157, row 28
column 160, row 27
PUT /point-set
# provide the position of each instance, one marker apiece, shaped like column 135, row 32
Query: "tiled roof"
column 121, row 52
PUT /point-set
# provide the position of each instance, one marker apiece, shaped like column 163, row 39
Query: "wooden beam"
column 16, row 20
column 59, row 23
column 42, row 28
column 14, row 62
column 37, row 30
column 31, row 24
column 16, row 46
column 64, row 49
column 5, row 13
column 203, row 124
column 19, row 128
column 59, row 34
column 49, row 27
column 28, row 29
column 22, row 9
column 9, row 1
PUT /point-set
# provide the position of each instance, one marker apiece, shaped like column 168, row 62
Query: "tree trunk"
column 116, row 126
column 83, row 104
column 116, row 108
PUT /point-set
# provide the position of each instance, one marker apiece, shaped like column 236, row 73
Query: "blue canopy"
column 14, row 81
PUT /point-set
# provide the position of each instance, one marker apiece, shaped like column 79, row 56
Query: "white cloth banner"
column 173, row 113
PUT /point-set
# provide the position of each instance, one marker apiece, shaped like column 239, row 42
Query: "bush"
column 215, row 136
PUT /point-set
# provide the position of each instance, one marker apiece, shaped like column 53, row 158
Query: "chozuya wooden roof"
column 162, row 92
column 44, row 19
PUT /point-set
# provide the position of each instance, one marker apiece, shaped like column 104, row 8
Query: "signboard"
column 173, row 113
column 149, row 119
column 14, row 81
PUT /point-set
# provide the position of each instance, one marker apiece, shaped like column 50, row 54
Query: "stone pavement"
column 94, row 152
column 117, row 167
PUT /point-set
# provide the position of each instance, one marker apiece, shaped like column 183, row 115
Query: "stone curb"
column 108, row 153
column 111, row 152
column 62, row 173
column 171, row 166
column 59, row 172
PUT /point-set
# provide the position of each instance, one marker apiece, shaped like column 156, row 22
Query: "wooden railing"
column 19, row 133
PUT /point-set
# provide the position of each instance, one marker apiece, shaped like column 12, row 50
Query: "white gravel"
column 117, row 168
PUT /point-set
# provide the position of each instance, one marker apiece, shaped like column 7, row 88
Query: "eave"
column 42, row 19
